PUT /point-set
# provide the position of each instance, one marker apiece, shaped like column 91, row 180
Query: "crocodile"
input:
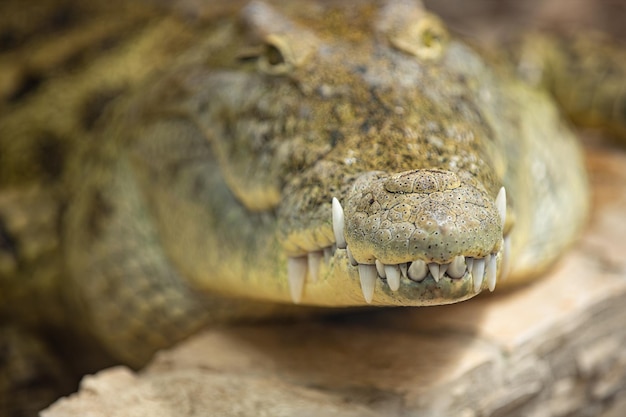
column 161, row 172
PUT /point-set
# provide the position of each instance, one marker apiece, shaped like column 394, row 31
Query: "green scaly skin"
column 185, row 178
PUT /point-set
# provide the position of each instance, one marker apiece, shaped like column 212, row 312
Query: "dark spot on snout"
column 360, row 69
column 365, row 126
column 335, row 137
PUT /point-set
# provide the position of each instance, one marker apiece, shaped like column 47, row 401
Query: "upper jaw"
column 478, row 266
column 426, row 214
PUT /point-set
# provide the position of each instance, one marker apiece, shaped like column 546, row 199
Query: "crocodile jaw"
column 442, row 278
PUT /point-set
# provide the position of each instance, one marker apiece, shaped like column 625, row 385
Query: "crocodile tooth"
column 501, row 205
column 442, row 270
column 505, row 267
column 491, row 271
column 393, row 276
column 353, row 261
column 367, row 275
column 478, row 272
column 296, row 274
column 457, row 267
column 418, row 270
column 314, row 261
column 470, row 263
column 380, row 267
column 338, row 224
column 434, row 270
column 403, row 269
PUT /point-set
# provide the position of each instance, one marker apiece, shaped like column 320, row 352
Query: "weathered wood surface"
column 555, row 348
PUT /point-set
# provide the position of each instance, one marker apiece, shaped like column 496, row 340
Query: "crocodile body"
column 225, row 164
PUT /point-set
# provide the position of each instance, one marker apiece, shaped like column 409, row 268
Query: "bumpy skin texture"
column 181, row 174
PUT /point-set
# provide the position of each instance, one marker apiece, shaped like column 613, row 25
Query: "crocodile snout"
column 429, row 215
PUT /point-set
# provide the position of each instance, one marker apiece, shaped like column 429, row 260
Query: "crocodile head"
column 370, row 142
column 360, row 139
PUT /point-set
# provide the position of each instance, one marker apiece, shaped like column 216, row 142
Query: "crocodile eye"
column 285, row 44
column 425, row 38
column 411, row 29
column 277, row 56
column 273, row 56
column 433, row 35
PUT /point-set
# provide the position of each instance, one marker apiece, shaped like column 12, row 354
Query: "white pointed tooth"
column 403, row 269
column 457, row 267
column 470, row 264
column 478, row 273
column 353, row 261
column 418, row 270
column 393, row 276
column 296, row 274
column 380, row 268
column 367, row 275
column 492, row 268
column 434, row 270
column 314, row 260
column 501, row 205
column 442, row 270
column 328, row 253
column 338, row 224
column 505, row 266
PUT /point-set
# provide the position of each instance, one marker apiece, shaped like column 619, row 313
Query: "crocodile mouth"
column 482, row 271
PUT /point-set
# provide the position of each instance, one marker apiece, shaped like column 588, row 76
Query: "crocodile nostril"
column 425, row 181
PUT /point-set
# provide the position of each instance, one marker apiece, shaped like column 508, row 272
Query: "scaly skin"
column 185, row 178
